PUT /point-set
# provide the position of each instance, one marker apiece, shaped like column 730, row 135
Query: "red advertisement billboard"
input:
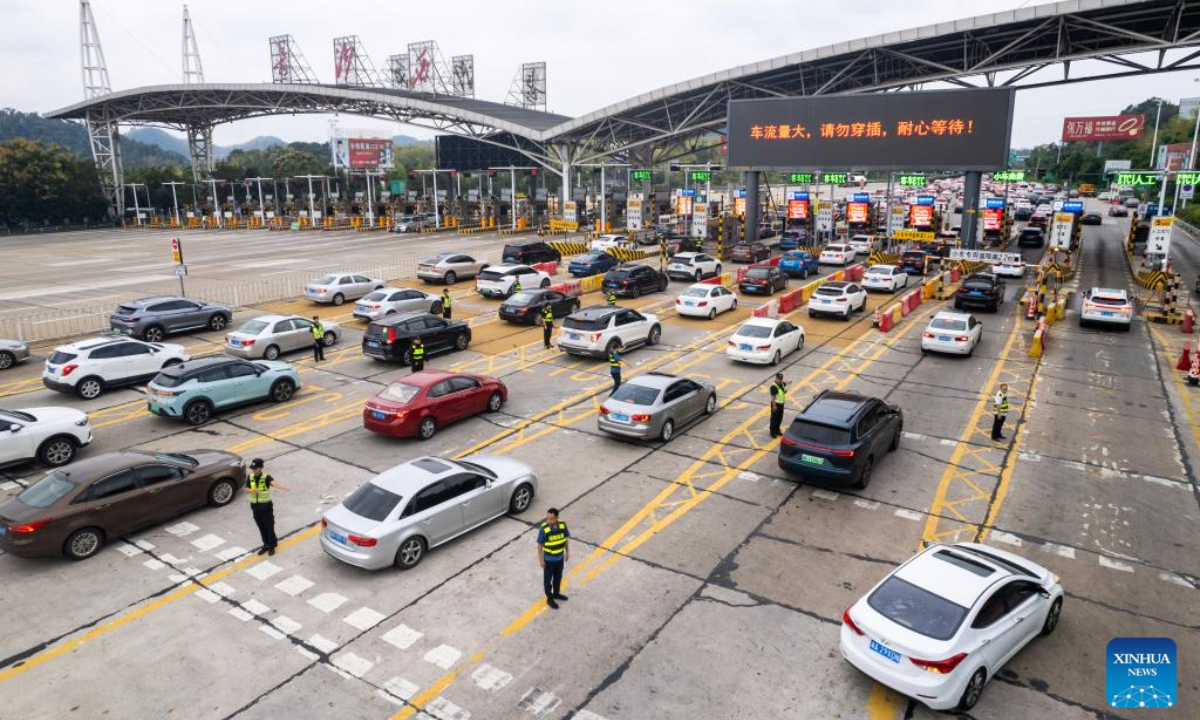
column 797, row 210
column 363, row 153
column 1103, row 127
column 993, row 219
column 920, row 216
column 857, row 213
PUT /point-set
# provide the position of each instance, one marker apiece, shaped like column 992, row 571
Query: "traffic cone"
column 875, row 318
column 1185, row 360
column 1189, row 321
column 1193, row 377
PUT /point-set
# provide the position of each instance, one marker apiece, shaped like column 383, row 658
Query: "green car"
column 193, row 390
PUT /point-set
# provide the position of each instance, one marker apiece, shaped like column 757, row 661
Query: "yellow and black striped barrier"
column 1151, row 280
column 881, row 258
column 626, row 255
column 474, row 230
column 567, row 248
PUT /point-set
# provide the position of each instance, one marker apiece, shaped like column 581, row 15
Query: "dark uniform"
column 547, row 325
column 553, row 540
column 614, row 368
column 259, row 483
column 446, row 304
column 418, row 355
column 778, row 403
column 999, row 410
column 318, row 336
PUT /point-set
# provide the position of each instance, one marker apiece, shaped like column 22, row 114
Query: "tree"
column 293, row 162
column 47, row 184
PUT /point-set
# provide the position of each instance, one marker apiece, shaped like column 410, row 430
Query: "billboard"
column 700, row 220
column 920, row 216
column 944, row 129
column 858, row 213
column 1173, row 156
column 1112, row 166
column 1103, row 127
column 797, row 209
column 1159, row 240
column 993, row 219
column 363, row 153
column 633, row 213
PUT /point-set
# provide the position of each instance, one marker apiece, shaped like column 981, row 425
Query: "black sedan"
column 980, row 290
column 751, row 252
column 391, row 338
column 634, row 280
column 763, row 279
column 1091, row 219
column 1031, row 237
column 526, row 307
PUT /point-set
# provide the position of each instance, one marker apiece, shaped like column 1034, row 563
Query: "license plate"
column 975, row 293
column 373, row 343
column 943, row 338
column 3, row 530
column 689, row 303
column 360, row 308
column 337, row 537
column 887, row 652
column 378, row 415
column 234, row 342
column 1106, row 313
column 153, row 408
column 744, row 347
column 618, row 417
column 573, row 336
column 811, row 459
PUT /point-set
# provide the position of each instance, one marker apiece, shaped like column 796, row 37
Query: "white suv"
column 52, row 435
column 88, row 367
column 599, row 329
column 862, row 244
column 837, row 298
column 1107, row 306
column 694, row 266
column 499, row 281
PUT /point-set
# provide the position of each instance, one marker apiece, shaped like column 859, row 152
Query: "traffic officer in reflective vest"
column 612, row 298
column 778, row 403
column 418, row 355
column 614, row 366
column 446, row 303
column 999, row 410
column 516, row 285
column 553, row 554
column 318, row 335
column 259, row 484
column 547, row 324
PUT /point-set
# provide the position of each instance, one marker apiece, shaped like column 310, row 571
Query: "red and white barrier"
column 570, row 288
column 550, row 268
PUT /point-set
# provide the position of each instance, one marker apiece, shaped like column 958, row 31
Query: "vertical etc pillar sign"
column 180, row 268
column 1060, row 231
column 896, row 219
column 824, row 217
column 700, row 220
column 569, row 211
column 1158, row 242
column 633, row 212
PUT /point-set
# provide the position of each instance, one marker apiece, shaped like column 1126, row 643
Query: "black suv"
column 1031, row 237
column 633, row 280
column 529, row 252
column 980, row 290
column 391, row 337
column 763, row 279
column 839, row 437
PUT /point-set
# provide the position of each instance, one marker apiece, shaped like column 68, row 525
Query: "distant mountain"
column 73, row 136
column 177, row 144
column 262, row 142
column 409, row 140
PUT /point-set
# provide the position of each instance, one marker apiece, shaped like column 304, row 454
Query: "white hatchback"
column 705, row 300
column 1108, row 306
column 862, row 244
column 764, row 341
column 943, row 624
column 836, row 255
column 953, row 333
column 886, row 278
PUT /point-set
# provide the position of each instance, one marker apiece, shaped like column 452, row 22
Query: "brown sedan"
column 73, row 510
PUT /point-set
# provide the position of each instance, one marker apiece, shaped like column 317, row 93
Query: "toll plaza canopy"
column 1028, row 47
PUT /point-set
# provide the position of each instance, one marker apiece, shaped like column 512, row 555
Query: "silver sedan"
column 654, row 405
column 449, row 267
column 390, row 301
column 337, row 288
column 268, row 336
column 12, row 352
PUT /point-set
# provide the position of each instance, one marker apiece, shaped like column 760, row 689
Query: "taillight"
column 927, row 334
column 678, row 301
column 849, row 622
column 961, row 338
column 732, row 344
column 702, row 303
column 819, row 448
column 842, row 299
column 68, row 369
column 763, row 347
column 595, row 337
column 641, row 418
column 362, row 541
column 603, row 410
column 391, row 334
column 941, row 667
column 324, row 523
column 30, row 527
column 248, row 343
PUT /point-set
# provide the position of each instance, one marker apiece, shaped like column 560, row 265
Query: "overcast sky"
column 597, row 53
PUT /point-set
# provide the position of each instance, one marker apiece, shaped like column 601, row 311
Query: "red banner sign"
column 858, row 213
column 1105, row 127
column 797, row 210
column 993, row 219
column 920, row 216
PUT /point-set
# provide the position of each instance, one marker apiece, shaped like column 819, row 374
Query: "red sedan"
column 422, row 402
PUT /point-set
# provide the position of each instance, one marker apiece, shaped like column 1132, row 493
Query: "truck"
column 1087, row 189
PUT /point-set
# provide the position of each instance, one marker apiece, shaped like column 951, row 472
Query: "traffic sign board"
column 181, row 271
column 912, row 235
column 1158, row 242
column 177, row 250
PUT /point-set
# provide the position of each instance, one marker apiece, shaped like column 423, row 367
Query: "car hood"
column 55, row 414
column 506, row 468
column 276, row 365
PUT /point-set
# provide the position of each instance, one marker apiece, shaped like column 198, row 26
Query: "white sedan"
column 887, row 278
column 943, row 624
column 764, row 341
column 953, row 333
column 50, row 435
column 1009, row 268
column 837, row 255
column 611, row 241
column 705, row 300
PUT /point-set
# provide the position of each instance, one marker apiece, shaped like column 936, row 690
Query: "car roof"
column 963, row 572
column 390, row 320
column 425, row 378
column 835, row 245
column 409, row 478
column 686, row 254
column 981, row 276
column 506, row 267
column 835, row 408
column 93, row 343
column 595, row 312
column 522, row 243
column 947, row 315
column 201, row 363
column 657, row 380
column 94, row 467
column 834, row 284
column 273, row 317
column 882, row 267
column 762, row 322
column 628, row 266
column 701, row 286
column 149, row 300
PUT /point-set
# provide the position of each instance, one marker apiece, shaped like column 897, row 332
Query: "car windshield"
column 435, row 259
column 521, row 299
column 48, row 490
column 758, row 272
column 754, row 331
column 696, row 292
column 636, row 394
column 916, row 609
column 884, row 271
column 820, row 434
column 830, row 291
column 473, row 467
column 1116, row 302
column 325, row 280
column 913, row 256
column 977, row 284
column 253, row 327
column 793, row 255
column 947, row 324
column 586, row 323
column 490, row 275
column 371, row 502
column 167, row 380
column 591, row 257
column 59, row 357
column 618, row 274
column 18, row 415
column 377, row 296
column 125, row 310
column 400, row 392
column 836, row 248
column 682, row 260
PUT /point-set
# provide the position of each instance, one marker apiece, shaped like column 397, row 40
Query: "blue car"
column 792, row 239
column 592, row 263
column 195, row 389
column 798, row 263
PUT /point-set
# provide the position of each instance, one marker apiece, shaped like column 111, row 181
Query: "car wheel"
column 89, row 388
column 282, row 391
column 153, row 334
column 410, row 553
column 521, row 500
column 636, row 292
column 1052, row 617
column 198, row 412
column 271, row 353
column 973, row 690
column 699, row 276
column 435, row 308
column 217, row 322
column 461, row 342
column 718, row 272
column 895, row 444
column 57, row 451
column 654, row 336
column 339, row 299
column 427, row 428
column 7, row 360
column 494, row 402
column 83, row 543
column 865, row 479
column 450, row 278
column 545, row 283
column 407, row 359
column 668, row 431
column 222, row 492
column 710, row 406
column 712, row 313
column 329, row 339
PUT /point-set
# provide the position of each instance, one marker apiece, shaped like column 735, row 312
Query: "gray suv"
column 153, row 318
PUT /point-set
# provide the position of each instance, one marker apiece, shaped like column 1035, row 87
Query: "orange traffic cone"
column 1193, row 376
column 1185, row 360
column 1189, row 321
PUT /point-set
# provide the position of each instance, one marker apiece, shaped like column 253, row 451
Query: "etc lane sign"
column 1158, row 242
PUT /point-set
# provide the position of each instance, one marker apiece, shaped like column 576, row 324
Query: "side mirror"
column 1044, row 593
column 16, row 428
column 926, row 544
column 489, row 483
